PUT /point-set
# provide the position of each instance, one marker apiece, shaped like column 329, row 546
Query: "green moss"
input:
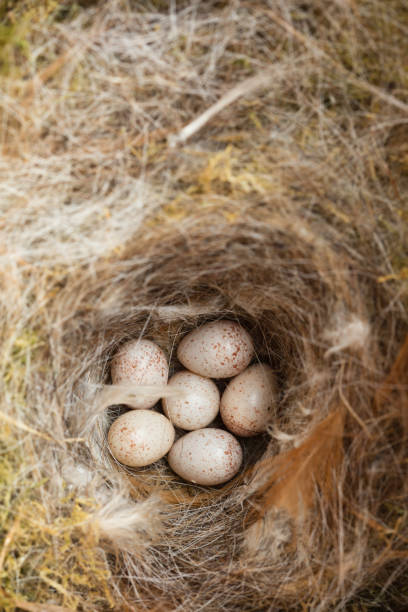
column 40, row 542
column 14, row 47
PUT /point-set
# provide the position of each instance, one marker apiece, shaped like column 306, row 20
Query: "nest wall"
column 283, row 209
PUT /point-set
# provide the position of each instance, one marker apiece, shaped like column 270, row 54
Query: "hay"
column 166, row 164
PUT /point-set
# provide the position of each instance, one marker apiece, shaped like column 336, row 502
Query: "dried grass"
column 168, row 163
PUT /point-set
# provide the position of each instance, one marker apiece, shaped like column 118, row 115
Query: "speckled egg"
column 218, row 349
column 140, row 362
column 249, row 401
column 198, row 403
column 140, row 437
column 206, row 456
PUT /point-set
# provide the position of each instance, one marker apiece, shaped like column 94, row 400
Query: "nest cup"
column 280, row 518
column 227, row 275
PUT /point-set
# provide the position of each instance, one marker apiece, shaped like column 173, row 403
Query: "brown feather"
column 290, row 480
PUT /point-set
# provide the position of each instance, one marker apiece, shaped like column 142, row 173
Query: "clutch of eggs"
column 205, row 455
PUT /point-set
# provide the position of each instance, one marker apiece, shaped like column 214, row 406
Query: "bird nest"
column 187, row 198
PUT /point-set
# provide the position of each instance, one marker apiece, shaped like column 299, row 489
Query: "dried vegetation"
column 165, row 163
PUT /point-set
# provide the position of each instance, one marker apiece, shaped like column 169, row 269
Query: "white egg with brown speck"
column 196, row 402
column 141, row 362
column 140, row 437
column 206, row 456
column 219, row 349
column 249, row 401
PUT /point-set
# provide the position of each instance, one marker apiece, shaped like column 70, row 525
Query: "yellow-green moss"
column 51, row 556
